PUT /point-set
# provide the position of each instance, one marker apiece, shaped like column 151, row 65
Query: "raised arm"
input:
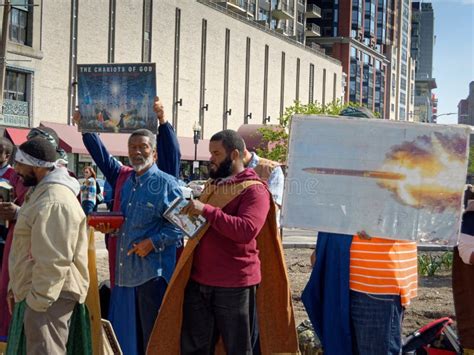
column 169, row 155
column 99, row 153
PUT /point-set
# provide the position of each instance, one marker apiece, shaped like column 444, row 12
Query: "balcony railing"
column 297, row 39
column 312, row 30
column 313, row 11
column 282, row 11
column 15, row 113
column 240, row 6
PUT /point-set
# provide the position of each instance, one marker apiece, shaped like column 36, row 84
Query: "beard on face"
column 146, row 163
column 29, row 179
column 223, row 170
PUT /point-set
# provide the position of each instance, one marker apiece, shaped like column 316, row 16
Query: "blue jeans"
column 376, row 322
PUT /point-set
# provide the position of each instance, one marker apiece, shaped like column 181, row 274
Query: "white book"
column 6, row 192
column 190, row 225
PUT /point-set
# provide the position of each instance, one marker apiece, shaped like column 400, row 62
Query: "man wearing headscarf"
column 9, row 211
column 48, row 258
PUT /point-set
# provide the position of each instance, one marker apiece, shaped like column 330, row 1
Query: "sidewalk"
column 292, row 238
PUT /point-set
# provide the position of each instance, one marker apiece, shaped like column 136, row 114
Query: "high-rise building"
column 466, row 107
column 355, row 32
column 399, row 96
column 422, row 45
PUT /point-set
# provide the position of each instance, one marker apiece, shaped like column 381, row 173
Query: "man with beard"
column 10, row 210
column 144, row 250
column 8, row 174
column 48, row 258
column 228, row 270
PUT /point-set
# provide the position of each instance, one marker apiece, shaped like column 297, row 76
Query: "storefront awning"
column 186, row 145
column 71, row 141
column 17, row 135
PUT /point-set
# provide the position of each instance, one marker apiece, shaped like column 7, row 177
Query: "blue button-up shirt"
column 148, row 195
column 144, row 200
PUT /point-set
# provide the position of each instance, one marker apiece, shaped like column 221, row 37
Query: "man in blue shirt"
column 146, row 243
column 270, row 172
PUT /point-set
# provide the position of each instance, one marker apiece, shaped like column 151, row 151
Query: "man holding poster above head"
column 142, row 255
column 404, row 187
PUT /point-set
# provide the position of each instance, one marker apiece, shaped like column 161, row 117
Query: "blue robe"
column 326, row 296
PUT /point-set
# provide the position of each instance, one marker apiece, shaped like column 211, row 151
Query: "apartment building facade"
column 354, row 31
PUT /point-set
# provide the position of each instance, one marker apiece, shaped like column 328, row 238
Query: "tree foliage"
column 470, row 167
column 275, row 139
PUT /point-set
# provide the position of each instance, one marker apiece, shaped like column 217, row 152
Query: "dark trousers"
column 210, row 312
column 148, row 301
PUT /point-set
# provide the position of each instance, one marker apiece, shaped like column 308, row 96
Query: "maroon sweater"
column 227, row 254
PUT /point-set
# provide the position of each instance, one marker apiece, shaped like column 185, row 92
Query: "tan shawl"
column 275, row 311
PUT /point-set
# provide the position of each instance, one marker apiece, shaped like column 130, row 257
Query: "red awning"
column 71, row 141
column 17, row 135
column 186, row 145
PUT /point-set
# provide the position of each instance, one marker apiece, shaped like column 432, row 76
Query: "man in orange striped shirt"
column 382, row 280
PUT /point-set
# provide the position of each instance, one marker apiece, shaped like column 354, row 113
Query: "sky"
column 453, row 58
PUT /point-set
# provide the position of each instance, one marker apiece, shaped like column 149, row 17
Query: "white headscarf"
column 27, row 159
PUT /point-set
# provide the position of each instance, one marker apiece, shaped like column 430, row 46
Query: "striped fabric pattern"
column 383, row 266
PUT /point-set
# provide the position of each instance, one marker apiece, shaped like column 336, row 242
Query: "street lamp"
column 197, row 137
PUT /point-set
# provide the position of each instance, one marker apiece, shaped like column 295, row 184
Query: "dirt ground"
column 435, row 298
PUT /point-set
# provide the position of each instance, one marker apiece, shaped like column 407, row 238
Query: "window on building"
column 353, row 52
column 402, row 115
column 403, row 98
column 300, row 17
column 262, row 14
column 404, row 70
column 403, row 84
column 300, row 36
column 19, row 24
column 311, row 84
column 15, row 86
column 404, row 55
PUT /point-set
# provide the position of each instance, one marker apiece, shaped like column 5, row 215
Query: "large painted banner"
column 117, row 97
column 391, row 179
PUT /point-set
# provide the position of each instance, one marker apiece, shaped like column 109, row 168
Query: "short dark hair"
column 39, row 148
column 144, row 133
column 231, row 140
column 7, row 145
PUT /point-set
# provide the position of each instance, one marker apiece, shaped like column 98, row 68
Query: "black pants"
column 210, row 312
column 148, row 302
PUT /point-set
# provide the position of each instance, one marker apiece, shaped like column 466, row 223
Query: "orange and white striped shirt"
column 384, row 266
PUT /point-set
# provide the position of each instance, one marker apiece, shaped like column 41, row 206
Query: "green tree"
column 275, row 138
column 470, row 167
